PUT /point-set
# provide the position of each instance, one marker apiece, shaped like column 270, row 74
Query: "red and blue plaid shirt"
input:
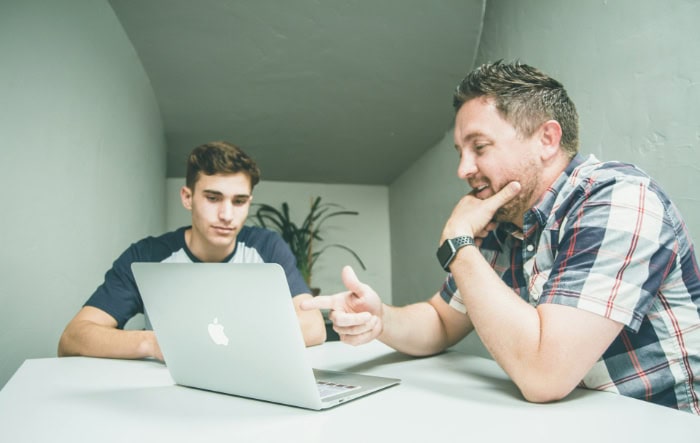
column 607, row 239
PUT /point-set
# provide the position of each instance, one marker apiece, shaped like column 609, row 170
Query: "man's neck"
column 550, row 174
column 206, row 254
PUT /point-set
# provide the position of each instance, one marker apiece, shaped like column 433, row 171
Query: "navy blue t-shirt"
column 119, row 296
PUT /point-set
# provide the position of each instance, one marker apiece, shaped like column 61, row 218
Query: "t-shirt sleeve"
column 277, row 251
column 450, row 294
column 118, row 295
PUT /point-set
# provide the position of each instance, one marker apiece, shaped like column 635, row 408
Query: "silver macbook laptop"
column 232, row 328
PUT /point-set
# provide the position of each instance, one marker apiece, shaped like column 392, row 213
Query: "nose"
column 226, row 211
column 467, row 165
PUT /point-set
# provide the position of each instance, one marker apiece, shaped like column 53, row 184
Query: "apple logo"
column 216, row 332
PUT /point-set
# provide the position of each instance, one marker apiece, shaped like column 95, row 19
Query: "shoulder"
column 611, row 184
column 615, row 200
column 254, row 235
column 593, row 174
column 268, row 244
column 157, row 248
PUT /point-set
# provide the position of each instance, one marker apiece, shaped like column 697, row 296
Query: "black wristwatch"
column 446, row 253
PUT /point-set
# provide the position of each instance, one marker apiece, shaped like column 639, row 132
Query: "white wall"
column 367, row 233
column 83, row 164
column 633, row 70
column 421, row 200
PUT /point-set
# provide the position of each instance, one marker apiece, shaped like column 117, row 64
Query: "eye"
column 479, row 147
column 240, row 201
column 212, row 198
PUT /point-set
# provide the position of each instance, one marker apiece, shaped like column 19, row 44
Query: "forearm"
column 313, row 327
column 508, row 326
column 400, row 331
column 91, row 339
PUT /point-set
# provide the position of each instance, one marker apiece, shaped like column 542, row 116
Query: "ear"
column 186, row 197
column 550, row 137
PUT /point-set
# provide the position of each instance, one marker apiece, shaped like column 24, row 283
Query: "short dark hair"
column 524, row 96
column 220, row 157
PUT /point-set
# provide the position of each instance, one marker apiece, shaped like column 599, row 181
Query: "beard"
column 515, row 209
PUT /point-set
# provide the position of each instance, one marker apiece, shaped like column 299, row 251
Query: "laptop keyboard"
column 326, row 388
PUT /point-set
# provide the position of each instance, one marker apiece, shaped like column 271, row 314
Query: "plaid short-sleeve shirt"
column 605, row 238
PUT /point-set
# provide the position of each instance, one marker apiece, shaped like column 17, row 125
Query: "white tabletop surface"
column 450, row 397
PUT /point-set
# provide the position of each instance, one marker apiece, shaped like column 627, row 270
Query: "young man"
column 572, row 271
column 218, row 192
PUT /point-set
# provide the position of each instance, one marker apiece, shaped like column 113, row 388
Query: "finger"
column 342, row 319
column 351, row 281
column 481, row 234
column 323, row 302
column 355, row 324
column 362, row 338
column 506, row 194
column 491, row 226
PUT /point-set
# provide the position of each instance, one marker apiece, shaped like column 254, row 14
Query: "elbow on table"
column 60, row 349
column 65, row 348
column 546, row 391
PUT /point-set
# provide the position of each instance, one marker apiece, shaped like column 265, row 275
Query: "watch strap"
column 462, row 241
column 447, row 252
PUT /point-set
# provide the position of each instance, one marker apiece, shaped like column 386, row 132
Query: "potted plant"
column 303, row 239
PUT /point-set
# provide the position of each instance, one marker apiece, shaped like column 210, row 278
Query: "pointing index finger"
column 318, row 302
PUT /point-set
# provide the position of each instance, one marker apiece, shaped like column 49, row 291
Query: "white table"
column 448, row 398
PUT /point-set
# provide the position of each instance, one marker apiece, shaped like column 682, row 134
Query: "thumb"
column 506, row 194
column 351, row 281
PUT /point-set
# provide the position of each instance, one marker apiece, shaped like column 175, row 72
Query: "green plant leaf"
column 302, row 239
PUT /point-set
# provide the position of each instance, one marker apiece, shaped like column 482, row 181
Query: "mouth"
column 223, row 229
column 479, row 190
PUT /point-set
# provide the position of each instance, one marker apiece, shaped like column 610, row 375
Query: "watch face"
column 445, row 254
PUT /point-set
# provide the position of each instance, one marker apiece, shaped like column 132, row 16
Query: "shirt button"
column 530, row 248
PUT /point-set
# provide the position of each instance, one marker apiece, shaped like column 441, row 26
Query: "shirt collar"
column 544, row 206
